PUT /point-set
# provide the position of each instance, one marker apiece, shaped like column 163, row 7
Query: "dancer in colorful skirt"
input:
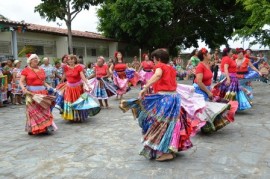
column 166, row 126
column 146, row 71
column 122, row 75
column 73, row 90
column 119, row 75
column 228, row 88
column 244, row 75
column 102, row 89
column 216, row 114
column 38, row 102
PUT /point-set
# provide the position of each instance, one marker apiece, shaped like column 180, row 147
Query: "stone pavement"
column 107, row 146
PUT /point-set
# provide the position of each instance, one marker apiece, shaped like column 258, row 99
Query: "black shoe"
column 30, row 133
column 49, row 129
column 6, row 102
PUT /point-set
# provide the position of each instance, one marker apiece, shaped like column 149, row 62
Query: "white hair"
column 32, row 56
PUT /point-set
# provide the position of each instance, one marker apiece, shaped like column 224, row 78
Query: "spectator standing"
column 58, row 73
column 7, row 70
column 49, row 71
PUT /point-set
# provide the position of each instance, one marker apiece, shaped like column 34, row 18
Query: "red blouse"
column 34, row 78
column 246, row 56
column 101, row 71
column 167, row 82
column 149, row 65
column 73, row 74
column 244, row 66
column 207, row 74
column 230, row 62
column 120, row 67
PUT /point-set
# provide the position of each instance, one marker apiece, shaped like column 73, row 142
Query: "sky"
column 19, row 10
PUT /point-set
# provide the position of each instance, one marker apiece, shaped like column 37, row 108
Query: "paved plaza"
column 107, row 146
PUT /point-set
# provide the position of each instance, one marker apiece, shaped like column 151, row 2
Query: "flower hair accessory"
column 28, row 55
column 115, row 54
column 239, row 50
column 145, row 54
column 204, row 51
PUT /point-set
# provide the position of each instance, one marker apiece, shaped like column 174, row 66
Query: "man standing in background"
column 215, row 64
column 49, row 70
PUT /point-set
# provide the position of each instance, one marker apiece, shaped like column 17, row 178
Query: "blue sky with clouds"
column 19, row 10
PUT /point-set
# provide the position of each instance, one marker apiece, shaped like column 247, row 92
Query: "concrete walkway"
column 107, row 146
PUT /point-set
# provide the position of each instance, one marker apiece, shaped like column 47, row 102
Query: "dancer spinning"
column 146, row 71
column 229, row 87
column 38, row 112
column 119, row 75
column 102, row 89
column 74, row 89
column 217, row 115
column 122, row 75
column 244, row 75
column 166, row 126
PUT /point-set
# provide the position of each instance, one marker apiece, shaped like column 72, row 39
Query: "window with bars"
column 78, row 51
column 40, row 47
column 93, row 52
column 5, row 48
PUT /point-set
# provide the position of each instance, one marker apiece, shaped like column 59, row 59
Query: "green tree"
column 3, row 17
column 168, row 23
column 257, row 25
column 65, row 10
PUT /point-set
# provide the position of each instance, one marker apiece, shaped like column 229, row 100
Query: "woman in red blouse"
column 244, row 75
column 146, row 71
column 39, row 116
column 165, row 126
column 120, row 79
column 74, row 75
column 203, row 80
column 217, row 115
column 243, row 63
column 229, row 87
column 102, row 88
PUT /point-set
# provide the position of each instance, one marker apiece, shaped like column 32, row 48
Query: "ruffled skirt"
column 102, row 88
column 83, row 105
column 38, row 112
column 166, row 124
column 233, row 92
column 218, row 113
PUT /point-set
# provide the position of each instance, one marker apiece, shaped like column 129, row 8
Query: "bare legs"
column 17, row 99
column 119, row 96
column 101, row 103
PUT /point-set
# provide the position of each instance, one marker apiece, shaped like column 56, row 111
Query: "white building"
column 52, row 42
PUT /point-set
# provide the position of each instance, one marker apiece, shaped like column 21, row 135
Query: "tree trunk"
column 70, row 46
column 68, row 23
